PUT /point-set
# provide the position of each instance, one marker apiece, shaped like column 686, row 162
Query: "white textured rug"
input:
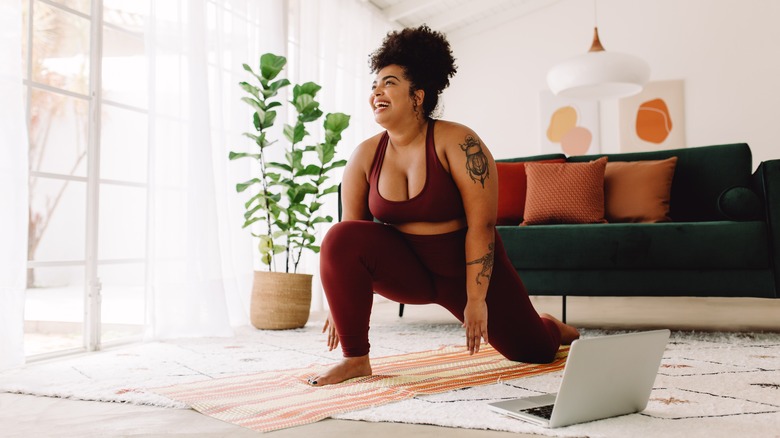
column 710, row 384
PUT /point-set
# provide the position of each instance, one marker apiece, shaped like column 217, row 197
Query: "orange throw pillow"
column 639, row 191
column 511, row 190
column 565, row 193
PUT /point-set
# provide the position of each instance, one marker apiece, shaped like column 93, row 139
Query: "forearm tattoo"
column 487, row 264
column 476, row 160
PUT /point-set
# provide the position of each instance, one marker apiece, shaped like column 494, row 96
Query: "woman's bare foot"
column 348, row 368
column 569, row 333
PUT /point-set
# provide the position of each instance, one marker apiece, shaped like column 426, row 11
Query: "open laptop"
column 604, row 377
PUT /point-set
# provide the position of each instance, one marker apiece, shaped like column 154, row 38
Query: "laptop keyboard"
column 540, row 411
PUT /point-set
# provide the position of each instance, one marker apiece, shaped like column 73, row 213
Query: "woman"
column 433, row 185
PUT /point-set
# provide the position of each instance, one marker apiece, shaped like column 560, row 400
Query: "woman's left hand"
column 475, row 318
column 333, row 337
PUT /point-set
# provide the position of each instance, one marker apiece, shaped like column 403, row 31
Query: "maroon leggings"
column 362, row 257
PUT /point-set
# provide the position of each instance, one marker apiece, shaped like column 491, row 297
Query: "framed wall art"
column 569, row 126
column 653, row 119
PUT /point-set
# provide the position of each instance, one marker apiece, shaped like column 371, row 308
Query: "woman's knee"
column 351, row 238
column 340, row 235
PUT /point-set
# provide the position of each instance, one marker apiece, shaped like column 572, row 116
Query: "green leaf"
column 335, row 165
column 251, row 221
column 308, row 188
column 329, row 190
column 300, row 132
column 249, row 69
column 253, row 199
column 243, row 186
column 262, row 142
column 310, row 115
column 266, row 259
column 251, row 89
column 237, row 155
column 326, row 152
column 314, row 206
column 249, row 213
column 308, row 88
column 304, row 101
column 271, row 65
column 311, row 169
column 276, row 86
column 253, row 103
column 288, row 132
column 336, row 122
column 326, row 219
column 269, row 119
column 261, row 116
column 257, row 122
column 300, row 208
column 265, row 245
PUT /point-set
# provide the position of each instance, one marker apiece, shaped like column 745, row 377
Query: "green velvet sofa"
column 723, row 240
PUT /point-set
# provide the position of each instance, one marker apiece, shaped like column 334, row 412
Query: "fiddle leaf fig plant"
column 286, row 195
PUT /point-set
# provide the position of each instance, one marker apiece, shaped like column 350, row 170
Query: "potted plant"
column 286, row 195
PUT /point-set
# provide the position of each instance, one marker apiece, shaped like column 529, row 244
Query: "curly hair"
column 426, row 58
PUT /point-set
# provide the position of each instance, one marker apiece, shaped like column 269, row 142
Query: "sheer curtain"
column 200, row 278
column 200, row 259
column 13, row 188
column 330, row 42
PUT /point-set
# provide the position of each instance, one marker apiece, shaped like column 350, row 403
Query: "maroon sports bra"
column 439, row 200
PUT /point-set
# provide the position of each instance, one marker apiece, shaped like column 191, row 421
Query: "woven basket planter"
column 280, row 300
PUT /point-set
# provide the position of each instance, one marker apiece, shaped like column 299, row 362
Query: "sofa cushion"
column 651, row 282
column 740, row 204
column 669, row 245
column 638, row 191
column 701, row 175
column 512, row 184
column 565, row 193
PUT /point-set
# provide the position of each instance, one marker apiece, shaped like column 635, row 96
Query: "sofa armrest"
column 766, row 181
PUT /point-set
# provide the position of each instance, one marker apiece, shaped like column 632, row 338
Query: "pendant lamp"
column 598, row 74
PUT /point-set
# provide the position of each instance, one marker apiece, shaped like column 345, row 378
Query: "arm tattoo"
column 487, row 264
column 476, row 160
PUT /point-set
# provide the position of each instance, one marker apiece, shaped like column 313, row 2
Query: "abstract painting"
column 653, row 119
column 569, row 126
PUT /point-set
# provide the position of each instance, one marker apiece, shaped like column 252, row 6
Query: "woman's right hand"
column 333, row 337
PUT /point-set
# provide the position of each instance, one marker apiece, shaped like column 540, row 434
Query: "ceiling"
column 457, row 18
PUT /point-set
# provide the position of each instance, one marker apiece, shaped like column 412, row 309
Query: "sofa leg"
column 400, row 310
column 563, row 308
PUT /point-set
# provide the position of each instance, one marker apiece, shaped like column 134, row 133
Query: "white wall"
column 726, row 51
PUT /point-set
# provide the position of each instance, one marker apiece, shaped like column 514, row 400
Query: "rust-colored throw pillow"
column 639, row 191
column 565, row 193
column 511, row 190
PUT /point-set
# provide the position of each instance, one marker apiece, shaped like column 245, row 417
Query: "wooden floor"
column 28, row 416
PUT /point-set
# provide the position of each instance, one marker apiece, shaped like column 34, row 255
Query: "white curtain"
column 200, row 258
column 13, row 188
column 330, row 42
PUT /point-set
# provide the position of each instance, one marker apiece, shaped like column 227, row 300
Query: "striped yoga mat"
column 278, row 399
